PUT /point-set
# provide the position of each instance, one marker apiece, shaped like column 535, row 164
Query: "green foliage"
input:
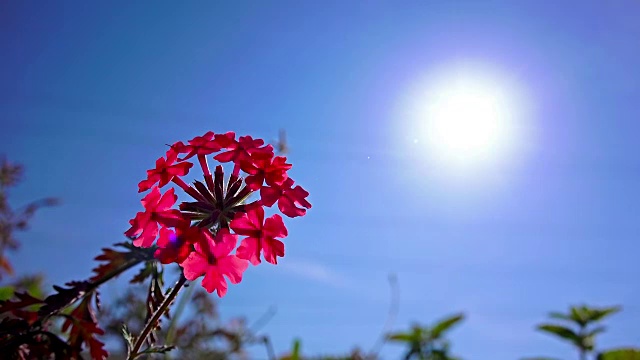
column 295, row 354
column 620, row 354
column 425, row 342
column 580, row 328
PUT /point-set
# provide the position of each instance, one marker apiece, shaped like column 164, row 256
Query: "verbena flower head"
column 201, row 235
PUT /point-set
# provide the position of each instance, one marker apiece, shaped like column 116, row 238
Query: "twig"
column 151, row 324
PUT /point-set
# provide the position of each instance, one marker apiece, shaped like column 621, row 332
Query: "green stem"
column 153, row 321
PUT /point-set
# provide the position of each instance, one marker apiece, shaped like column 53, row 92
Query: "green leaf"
column 620, row 354
column 580, row 315
column 560, row 316
column 6, row 292
column 444, row 325
column 562, row 332
column 402, row 337
column 599, row 314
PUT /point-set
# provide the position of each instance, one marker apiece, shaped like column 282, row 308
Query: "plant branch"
column 151, row 324
column 184, row 300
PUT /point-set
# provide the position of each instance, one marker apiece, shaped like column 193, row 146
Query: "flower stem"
column 184, row 300
column 151, row 324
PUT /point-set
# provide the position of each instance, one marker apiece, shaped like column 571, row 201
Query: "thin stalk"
column 151, row 324
column 184, row 300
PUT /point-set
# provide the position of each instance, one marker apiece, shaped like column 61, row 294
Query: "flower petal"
column 272, row 248
column 269, row 195
column 213, row 281
column 225, row 243
column 249, row 249
column 194, row 266
column 233, row 267
column 274, row 227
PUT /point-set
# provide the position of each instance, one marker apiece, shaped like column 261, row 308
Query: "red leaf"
column 16, row 307
column 82, row 326
column 116, row 261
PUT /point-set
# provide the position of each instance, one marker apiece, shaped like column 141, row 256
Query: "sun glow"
column 465, row 119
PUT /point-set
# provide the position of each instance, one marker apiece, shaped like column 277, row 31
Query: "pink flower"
column 164, row 172
column 225, row 140
column 211, row 259
column 287, row 198
column 243, row 149
column 157, row 211
column 273, row 171
column 174, row 150
column 260, row 237
column 176, row 246
column 201, row 145
column 184, row 234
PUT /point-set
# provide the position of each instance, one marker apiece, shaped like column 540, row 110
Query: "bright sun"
column 465, row 119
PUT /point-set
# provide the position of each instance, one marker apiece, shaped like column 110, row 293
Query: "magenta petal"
column 271, row 249
column 242, row 226
column 274, row 227
column 288, row 207
column 225, row 243
column 249, row 250
column 213, row 281
column 148, row 235
column 269, row 195
column 151, row 200
column 194, row 266
column 298, row 195
column 233, row 267
column 167, row 200
column 225, row 156
column 256, row 216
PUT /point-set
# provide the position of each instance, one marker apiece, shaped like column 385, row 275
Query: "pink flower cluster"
column 201, row 235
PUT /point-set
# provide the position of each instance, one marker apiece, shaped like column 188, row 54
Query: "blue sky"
column 89, row 95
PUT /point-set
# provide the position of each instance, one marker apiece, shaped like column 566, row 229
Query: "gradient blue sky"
column 89, row 95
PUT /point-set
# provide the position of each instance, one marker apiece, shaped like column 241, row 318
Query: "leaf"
column 117, row 261
column 562, row 332
column 155, row 297
column 16, row 307
column 82, row 326
column 6, row 292
column 24, row 300
column 579, row 315
column 560, row 316
column 620, row 354
column 64, row 297
column 144, row 273
column 157, row 349
column 402, row 337
column 444, row 325
column 599, row 314
column 10, row 326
